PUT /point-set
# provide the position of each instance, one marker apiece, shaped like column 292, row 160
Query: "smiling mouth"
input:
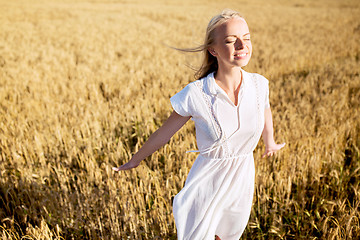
column 240, row 54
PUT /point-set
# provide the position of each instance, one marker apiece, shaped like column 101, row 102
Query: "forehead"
column 234, row 26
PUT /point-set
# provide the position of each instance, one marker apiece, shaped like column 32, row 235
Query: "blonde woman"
column 231, row 110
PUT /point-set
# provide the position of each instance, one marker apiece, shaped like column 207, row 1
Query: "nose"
column 239, row 44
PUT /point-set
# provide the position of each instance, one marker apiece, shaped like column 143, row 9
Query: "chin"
column 242, row 63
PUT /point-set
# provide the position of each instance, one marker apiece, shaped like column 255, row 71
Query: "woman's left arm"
column 268, row 135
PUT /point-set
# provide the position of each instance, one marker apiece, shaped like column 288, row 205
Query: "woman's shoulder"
column 258, row 77
column 197, row 84
column 190, row 89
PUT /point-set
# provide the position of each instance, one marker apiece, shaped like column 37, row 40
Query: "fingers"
column 268, row 154
column 271, row 151
column 122, row 167
column 126, row 166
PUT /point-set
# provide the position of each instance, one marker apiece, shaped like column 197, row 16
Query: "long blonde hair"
column 209, row 63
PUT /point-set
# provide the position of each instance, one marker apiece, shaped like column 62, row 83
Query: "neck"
column 229, row 80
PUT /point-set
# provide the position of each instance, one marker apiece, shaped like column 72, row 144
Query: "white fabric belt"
column 223, row 158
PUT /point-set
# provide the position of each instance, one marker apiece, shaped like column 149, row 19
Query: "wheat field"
column 84, row 83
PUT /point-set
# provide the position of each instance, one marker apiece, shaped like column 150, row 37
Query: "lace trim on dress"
column 258, row 127
column 200, row 85
column 222, row 142
column 222, row 139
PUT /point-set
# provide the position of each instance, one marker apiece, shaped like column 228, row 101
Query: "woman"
column 231, row 110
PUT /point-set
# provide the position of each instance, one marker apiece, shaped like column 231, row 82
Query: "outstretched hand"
column 271, row 150
column 126, row 166
column 158, row 139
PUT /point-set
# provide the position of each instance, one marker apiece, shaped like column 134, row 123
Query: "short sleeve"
column 267, row 102
column 182, row 102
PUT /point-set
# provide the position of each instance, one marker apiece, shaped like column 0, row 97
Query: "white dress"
column 218, row 192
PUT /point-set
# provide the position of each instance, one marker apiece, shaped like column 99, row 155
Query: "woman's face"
column 232, row 46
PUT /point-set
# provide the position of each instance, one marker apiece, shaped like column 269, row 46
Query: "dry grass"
column 83, row 85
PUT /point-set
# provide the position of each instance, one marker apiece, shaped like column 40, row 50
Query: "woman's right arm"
column 158, row 139
column 268, row 135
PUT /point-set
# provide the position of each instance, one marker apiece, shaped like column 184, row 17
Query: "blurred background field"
column 84, row 83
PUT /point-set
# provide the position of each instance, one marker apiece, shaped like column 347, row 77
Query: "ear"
column 212, row 51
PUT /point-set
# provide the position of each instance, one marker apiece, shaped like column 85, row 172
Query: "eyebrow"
column 236, row 35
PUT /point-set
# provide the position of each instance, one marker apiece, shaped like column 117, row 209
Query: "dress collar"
column 215, row 89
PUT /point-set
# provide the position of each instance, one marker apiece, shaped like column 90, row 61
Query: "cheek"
column 250, row 47
column 224, row 51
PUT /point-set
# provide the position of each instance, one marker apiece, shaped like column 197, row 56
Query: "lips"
column 241, row 55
